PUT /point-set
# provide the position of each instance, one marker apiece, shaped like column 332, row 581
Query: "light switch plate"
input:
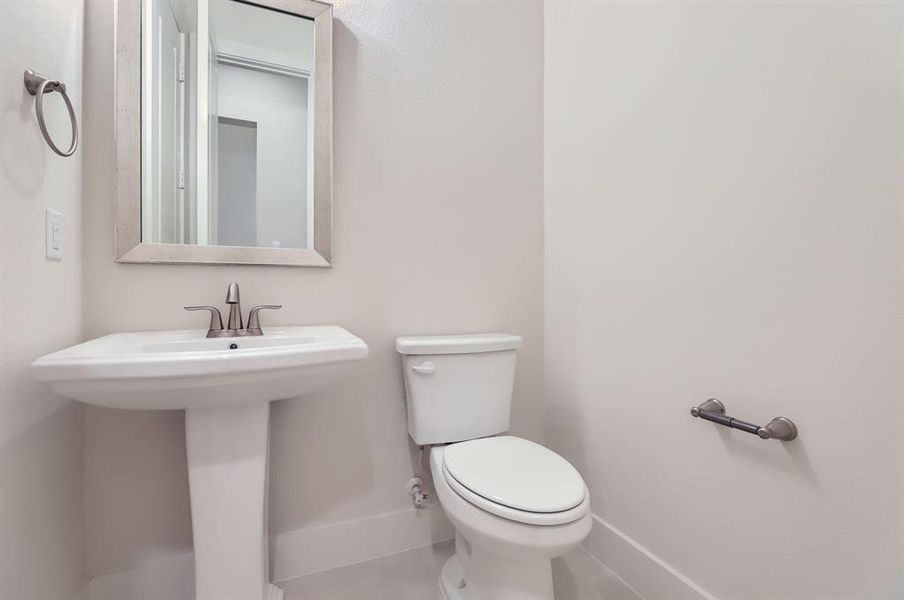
column 53, row 234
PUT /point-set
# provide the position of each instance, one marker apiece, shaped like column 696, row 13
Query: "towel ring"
column 38, row 85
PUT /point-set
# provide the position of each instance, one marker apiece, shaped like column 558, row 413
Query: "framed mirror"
column 224, row 132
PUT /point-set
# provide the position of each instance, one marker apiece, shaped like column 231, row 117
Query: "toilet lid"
column 516, row 473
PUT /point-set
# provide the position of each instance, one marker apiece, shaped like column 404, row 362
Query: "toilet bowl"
column 515, row 505
column 507, row 556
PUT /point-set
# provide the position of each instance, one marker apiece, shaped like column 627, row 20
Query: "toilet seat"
column 516, row 479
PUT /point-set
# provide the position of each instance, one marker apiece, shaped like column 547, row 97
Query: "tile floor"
column 414, row 575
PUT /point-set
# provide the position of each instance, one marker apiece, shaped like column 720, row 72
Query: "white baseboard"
column 292, row 554
column 305, row 551
column 652, row 577
column 171, row 578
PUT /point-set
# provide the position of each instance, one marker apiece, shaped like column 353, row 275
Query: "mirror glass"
column 227, row 130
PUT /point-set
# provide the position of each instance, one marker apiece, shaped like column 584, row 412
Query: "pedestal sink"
column 225, row 386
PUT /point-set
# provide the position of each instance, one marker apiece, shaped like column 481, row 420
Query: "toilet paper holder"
column 779, row 428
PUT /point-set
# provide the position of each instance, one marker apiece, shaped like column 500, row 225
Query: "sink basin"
column 185, row 369
column 225, row 386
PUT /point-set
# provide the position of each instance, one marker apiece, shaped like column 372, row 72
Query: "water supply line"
column 415, row 487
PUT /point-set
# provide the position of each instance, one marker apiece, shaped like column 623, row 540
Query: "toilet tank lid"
column 457, row 344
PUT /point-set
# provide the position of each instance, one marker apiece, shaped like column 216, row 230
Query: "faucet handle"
column 254, row 320
column 216, row 319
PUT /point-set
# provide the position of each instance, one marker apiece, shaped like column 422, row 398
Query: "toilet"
column 515, row 504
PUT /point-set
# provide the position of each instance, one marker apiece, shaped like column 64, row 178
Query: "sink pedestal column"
column 227, row 475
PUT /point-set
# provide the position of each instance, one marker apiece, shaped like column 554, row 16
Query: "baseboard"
column 292, row 554
column 171, row 578
column 305, row 551
column 652, row 577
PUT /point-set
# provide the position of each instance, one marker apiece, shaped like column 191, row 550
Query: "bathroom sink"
column 185, row 369
column 225, row 384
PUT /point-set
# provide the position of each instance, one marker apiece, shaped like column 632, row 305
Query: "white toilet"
column 515, row 504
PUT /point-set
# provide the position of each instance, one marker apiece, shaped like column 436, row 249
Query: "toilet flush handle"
column 425, row 368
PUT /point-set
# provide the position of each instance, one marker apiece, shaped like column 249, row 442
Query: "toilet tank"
column 458, row 387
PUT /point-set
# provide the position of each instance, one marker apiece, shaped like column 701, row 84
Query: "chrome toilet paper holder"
column 779, row 428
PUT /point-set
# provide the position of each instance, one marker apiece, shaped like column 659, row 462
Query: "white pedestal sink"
column 225, row 386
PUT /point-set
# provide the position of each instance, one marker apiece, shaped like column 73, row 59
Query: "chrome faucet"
column 235, row 307
column 234, row 326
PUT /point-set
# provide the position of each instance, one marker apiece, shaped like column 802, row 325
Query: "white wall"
column 236, row 208
column 723, row 218
column 265, row 35
column 41, row 435
column 438, row 217
column 278, row 104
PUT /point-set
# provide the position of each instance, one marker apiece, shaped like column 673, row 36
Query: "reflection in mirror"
column 227, row 125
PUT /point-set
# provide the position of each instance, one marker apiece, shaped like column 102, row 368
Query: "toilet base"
column 452, row 581
column 492, row 577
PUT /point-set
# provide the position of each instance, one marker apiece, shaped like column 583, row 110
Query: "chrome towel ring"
column 38, row 85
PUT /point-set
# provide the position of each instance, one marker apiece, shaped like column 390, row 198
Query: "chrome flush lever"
column 425, row 368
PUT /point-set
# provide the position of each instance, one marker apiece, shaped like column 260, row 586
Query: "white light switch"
column 53, row 234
